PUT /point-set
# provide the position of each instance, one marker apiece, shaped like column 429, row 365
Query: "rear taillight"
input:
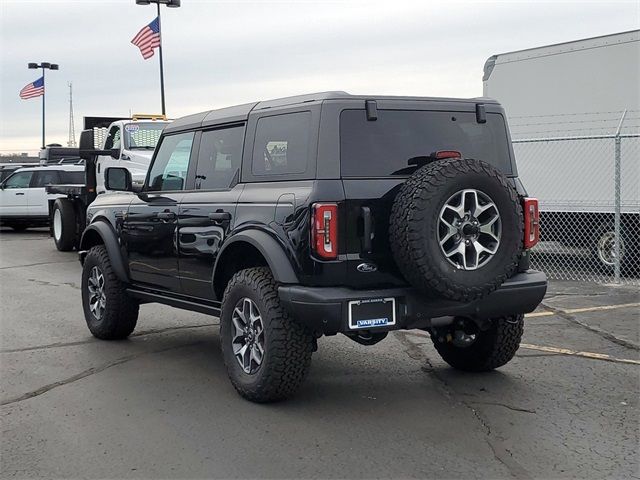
column 531, row 222
column 441, row 154
column 324, row 230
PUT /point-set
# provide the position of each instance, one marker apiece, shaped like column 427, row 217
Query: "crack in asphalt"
column 37, row 264
column 497, row 445
column 88, row 372
column 498, row 404
column 598, row 331
column 93, row 340
column 45, row 283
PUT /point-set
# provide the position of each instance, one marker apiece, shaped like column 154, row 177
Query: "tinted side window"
column 219, row 158
column 72, row 178
column 169, row 170
column 282, row 144
column 19, row 180
column 49, row 177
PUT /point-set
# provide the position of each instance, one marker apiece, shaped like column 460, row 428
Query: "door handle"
column 166, row 215
column 220, row 216
column 368, row 227
column 20, row 193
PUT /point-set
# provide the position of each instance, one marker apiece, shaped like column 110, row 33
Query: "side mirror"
column 115, row 153
column 118, row 179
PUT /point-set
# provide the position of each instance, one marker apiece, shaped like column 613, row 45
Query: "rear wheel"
column 109, row 312
column 466, row 347
column 64, row 225
column 266, row 352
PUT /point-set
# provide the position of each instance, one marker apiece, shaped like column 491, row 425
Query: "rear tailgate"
column 375, row 162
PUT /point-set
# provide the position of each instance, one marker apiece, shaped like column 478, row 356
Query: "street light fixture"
column 44, row 66
column 170, row 4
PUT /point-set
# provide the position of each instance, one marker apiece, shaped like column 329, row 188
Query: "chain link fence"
column 589, row 192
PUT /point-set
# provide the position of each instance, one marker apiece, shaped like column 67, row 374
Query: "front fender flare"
column 110, row 241
column 277, row 260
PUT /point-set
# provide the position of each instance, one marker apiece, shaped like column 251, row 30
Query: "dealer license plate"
column 372, row 313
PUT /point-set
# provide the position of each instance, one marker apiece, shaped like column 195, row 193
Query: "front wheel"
column 266, row 352
column 466, row 347
column 109, row 312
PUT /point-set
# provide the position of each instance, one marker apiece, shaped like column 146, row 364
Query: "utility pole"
column 72, row 128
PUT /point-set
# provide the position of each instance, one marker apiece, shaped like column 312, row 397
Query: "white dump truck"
column 105, row 142
column 574, row 115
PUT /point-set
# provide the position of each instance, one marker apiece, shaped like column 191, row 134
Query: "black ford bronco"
column 322, row 214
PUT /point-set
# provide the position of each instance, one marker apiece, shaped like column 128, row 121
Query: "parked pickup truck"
column 322, row 214
column 113, row 142
column 24, row 200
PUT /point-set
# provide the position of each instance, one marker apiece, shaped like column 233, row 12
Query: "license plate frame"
column 358, row 319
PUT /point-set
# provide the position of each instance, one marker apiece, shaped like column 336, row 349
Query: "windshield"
column 386, row 146
column 142, row 136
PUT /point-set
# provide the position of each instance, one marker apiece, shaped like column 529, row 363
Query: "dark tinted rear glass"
column 383, row 147
column 72, row 178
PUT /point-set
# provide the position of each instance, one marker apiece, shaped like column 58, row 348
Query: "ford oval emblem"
column 367, row 267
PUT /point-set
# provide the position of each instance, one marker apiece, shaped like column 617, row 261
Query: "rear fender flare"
column 110, row 241
column 277, row 260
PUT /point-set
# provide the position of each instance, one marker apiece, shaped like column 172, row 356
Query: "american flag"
column 33, row 89
column 148, row 38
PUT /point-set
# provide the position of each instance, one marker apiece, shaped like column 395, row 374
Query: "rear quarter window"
column 281, row 144
column 385, row 146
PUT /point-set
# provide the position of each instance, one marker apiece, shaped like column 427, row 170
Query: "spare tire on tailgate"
column 456, row 229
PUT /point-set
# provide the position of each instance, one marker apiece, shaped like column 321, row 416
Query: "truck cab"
column 131, row 142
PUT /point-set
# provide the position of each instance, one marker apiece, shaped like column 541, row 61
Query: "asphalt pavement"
column 159, row 405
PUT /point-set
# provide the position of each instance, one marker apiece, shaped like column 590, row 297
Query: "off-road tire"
column 413, row 229
column 67, row 235
column 288, row 345
column 492, row 348
column 121, row 311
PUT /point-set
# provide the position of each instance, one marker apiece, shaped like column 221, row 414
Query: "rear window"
column 384, row 147
column 72, row 178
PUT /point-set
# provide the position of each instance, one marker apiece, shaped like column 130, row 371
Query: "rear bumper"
column 326, row 309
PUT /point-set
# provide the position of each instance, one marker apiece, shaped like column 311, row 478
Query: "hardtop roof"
column 239, row 113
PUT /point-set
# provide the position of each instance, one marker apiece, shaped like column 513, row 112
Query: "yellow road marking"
column 539, row 314
column 603, row 307
column 576, row 353
column 583, row 310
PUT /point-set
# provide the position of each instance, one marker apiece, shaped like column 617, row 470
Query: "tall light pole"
column 170, row 4
column 44, row 66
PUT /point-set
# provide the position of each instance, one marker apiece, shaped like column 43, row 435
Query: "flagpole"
column 161, row 66
column 44, row 92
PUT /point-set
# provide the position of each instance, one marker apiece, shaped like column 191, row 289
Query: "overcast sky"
column 220, row 53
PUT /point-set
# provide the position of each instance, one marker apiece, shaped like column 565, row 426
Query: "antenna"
column 72, row 128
